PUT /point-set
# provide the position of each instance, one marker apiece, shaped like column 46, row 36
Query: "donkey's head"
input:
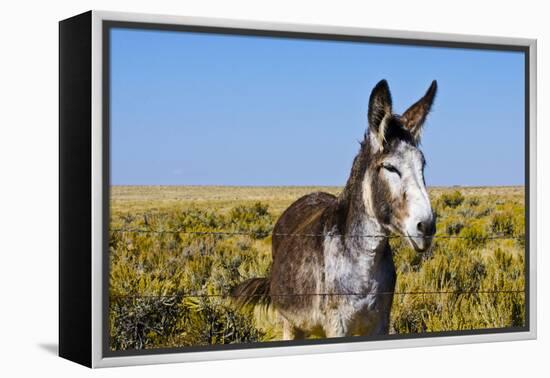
column 394, row 189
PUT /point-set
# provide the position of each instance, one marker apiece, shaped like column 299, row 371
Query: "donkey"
column 332, row 273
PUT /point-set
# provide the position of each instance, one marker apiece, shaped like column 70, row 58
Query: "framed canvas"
column 235, row 189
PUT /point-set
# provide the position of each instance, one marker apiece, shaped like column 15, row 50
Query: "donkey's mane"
column 394, row 131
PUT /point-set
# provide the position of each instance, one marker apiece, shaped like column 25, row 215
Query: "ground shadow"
column 51, row 348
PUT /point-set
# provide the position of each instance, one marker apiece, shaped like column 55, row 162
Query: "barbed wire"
column 249, row 233
column 362, row 294
column 260, row 233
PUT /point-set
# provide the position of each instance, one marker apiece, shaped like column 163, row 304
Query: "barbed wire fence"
column 262, row 234
column 251, row 233
column 197, row 315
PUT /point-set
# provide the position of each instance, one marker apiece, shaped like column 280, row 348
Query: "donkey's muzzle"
column 421, row 238
column 426, row 228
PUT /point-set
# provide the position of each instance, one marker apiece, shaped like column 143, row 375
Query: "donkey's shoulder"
column 316, row 199
column 305, row 211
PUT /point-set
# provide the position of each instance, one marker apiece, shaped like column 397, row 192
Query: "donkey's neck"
column 363, row 234
column 360, row 227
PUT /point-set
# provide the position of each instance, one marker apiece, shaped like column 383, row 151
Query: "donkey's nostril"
column 426, row 228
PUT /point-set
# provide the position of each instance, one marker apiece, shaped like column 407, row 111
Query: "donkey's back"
column 304, row 216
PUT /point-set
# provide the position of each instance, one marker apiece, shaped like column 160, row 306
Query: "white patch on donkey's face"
column 403, row 172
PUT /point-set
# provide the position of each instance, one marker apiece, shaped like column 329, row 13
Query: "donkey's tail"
column 254, row 291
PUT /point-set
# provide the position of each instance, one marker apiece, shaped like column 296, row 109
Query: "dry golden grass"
column 148, row 268
column 223, row 198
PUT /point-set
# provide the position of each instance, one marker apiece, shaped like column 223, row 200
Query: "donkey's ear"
column 380, row 110
column 414, row 117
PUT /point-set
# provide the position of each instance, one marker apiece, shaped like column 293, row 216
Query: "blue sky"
column 205, row 109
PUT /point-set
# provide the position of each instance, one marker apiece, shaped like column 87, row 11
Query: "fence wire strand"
column 255, row 234
column 249, row 233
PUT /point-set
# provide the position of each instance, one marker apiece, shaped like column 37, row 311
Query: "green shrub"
column 473, row 201
column 139, row 322
column 453, row 227
column 145, row 322
column 255, row 219
column 475, row 234
column 453, row 199
column 484, row 211
column 502, row 224
column 195, row 220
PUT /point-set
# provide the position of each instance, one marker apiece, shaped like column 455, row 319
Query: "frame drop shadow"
column 51, row 348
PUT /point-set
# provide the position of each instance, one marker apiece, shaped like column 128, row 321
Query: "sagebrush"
column 167, row 288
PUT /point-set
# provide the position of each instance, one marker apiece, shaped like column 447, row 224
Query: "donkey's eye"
column 391, row 168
